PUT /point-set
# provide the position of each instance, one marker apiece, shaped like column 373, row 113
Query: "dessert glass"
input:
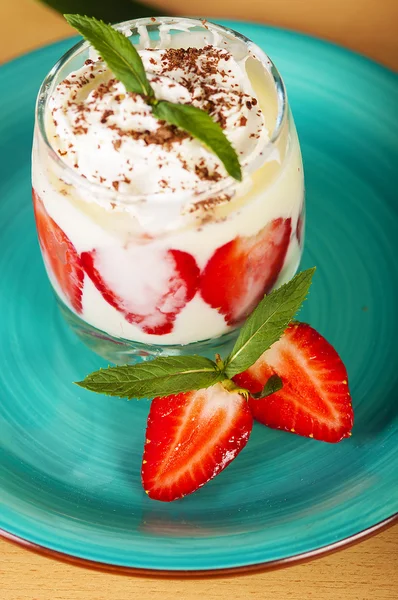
column 180, row 271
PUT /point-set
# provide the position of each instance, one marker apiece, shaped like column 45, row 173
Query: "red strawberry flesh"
column 315, row 399
column 191, row 438
column 149, row 287
column 60, row 255
column 239, row 273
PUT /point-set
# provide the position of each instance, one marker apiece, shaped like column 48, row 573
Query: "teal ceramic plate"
column 70, row 460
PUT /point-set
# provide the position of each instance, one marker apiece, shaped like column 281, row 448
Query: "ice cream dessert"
column 144, row 235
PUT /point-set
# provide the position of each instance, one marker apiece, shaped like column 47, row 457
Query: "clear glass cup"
column 214, row 266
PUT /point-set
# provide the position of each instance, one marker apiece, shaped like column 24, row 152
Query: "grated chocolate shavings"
column 106, row 114
column 80, row 130
column 209, row 204
column 165, row 135
column 187, row 59
column 204, row 174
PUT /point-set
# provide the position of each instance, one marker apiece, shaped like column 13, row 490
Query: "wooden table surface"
column 365, row 571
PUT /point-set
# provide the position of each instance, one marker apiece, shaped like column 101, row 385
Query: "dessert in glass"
column 149, row 245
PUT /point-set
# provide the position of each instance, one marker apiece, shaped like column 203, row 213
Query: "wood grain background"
column 366, row 571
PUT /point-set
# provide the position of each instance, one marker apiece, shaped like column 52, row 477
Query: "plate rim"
column 294, row 560
column 222, row 571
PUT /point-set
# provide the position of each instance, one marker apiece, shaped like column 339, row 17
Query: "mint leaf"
column 274, row 384
column 159, row 377
column 200, row 125
column 116, row 50
column 267, row 322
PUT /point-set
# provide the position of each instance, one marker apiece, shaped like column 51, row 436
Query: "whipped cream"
column 111, row 137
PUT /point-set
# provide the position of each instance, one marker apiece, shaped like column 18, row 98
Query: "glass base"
column 121, row 351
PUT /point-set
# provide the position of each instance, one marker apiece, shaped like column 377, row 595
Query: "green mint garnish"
column 174, row 374
column 274, row 384
column 124, row 61
column 159, row 377
column 200, row 125
column 267, row 322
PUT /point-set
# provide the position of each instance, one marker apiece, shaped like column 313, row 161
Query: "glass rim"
column 227, row 184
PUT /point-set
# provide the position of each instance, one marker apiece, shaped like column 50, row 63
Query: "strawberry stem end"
column 230, row 386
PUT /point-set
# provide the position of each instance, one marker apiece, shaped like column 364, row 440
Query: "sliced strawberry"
column 191, row 437
column 149, row 286
column 60, row 255
column 315, row 399
column 239, row 273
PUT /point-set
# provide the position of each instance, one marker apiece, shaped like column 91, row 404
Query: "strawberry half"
column 191, row 438
column 239, row 273
column 149, row 286
column 315, row 400
column 60, row 255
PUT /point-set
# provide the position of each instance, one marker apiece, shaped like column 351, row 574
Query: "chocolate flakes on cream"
column 111, row 137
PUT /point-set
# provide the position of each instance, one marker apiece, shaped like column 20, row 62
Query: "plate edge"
column 205, row 573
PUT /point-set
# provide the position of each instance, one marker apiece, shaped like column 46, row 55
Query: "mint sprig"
column 267, row 322
column 124, row 61
column 174, row 374
column 159, row 377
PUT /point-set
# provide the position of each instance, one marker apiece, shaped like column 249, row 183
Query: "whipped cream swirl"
column 111, row 137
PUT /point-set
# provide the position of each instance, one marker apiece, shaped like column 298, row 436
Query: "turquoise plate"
column 70, row 460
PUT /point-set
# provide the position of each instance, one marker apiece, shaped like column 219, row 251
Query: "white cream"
column 131, row 239
column 91, row 129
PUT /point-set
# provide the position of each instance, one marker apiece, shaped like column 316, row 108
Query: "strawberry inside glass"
column 144, row 236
